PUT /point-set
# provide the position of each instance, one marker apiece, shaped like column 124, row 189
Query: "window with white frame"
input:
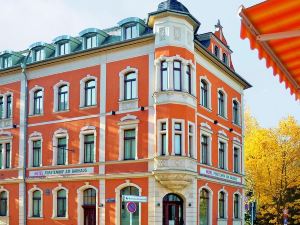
column 61, row 96
column 88, row 90
column 205, row 143
column 60, row 147
column 204, row 149
column 130, row 31
column 235, row 112
column 236, row 159
column 36, row 97
column 162, row 139
column 38, row 54
column 61, row 200
column 188, row 79
column 164, row 76
column 204, row 93
column 64, row 48
column 3, row 203
column 177, row 75
column 6, row 106
column 1, row 107
column 91, row 41
column 128, row 138
column 6, row 62
column 88, row 144
column 236, row 206
column 205, row 207
column 35, row 202
column 178, row 137
column 222, row 205
column 130, row 86
column 222, row 103
column 191, row 139
column 5, row 154
column 35, row 149
column 128, row 98
column 222, row 150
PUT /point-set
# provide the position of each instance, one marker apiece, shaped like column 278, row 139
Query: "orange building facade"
column 150, row 109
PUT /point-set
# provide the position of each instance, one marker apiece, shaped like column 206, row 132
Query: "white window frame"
column 86, row 131
column 60, row 133
column 55, row 90
column 31, row 100
column 225, row 206
column 192, row 135
column 38, row 49
column 225, row 102
column 237, row 144
column 182, row 132
column 2, row 189
column 30, row 203
column 240, row 206
column 128, row 122
column 5, row 138
column 35, row 136
column 211, row 195
column 239, row 112
column 159, row 134
column 206, row 130
column 209, row 106
column 222, row 137
column 5, row 95
column 54, row 194
column 82, row 90
column 80, row 212
column 118, row 201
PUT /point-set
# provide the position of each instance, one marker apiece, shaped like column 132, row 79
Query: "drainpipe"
column 23, row 67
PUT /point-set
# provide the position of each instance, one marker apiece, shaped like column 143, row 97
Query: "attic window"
column 225, row 59
column 64, row 48
column 6, row 62
column 216, row 51
column 38, row 54
column 131, row 31
column 91, row 41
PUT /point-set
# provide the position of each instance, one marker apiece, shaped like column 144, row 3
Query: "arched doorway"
column 124, row 220
column 89, row 206
column 172, row 210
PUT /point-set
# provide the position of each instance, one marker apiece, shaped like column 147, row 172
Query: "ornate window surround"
column 82, row 90
column 85, row 131
column 60, row 133
column 35, row 136
column 31, row 99
column 206, row 130
column 54, row 194
column 30, row 195
column 55, row 90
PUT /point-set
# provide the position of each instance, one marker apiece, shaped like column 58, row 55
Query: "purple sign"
column 131, row 207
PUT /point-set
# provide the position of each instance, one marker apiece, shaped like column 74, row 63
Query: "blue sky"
column 25, row 22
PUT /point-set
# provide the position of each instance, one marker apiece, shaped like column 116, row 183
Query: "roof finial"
column 218, row 26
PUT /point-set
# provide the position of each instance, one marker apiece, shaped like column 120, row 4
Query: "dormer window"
column 216, row 51
column 225, row 59
column 39, row 54
column 64, row 48
column 130, row 32
column 91, row 41
column 7, row 62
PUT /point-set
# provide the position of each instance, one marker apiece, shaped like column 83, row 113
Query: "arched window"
column 36, row 204
column 38, row 102
column 204, row 207
column 204, row 93
column 188, row 78
column 3, row 203
column 8, row 106
column 1, row 107
column 222, row 205
column 130, row 87
column 90, row 93
column 225, row 59
column 217, row 51
column 63, row 97
column 164, row 76
column 125, row 216
column 177, row 75
column 89, row 147
column 221, row 103
column 61, row 203
column 89, row 197
column 235, row 109
column 236, row 206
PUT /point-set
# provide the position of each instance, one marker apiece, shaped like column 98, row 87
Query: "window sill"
column 223, row 117
column 237, row 125
column 62, row 111
column 60, row 218
column 206, row 108
column 35, row 115
column 128, row 104
column 35, row 218
column 222, row 219
column 88, row 107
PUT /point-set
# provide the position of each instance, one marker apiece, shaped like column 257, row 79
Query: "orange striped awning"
column 273, row 28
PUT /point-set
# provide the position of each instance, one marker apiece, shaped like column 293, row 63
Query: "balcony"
column 180, row 97
column 175, row 172
column 5, row 123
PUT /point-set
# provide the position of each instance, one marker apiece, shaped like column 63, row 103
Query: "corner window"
column 235, row 112
column 204, row 93
column 130, row 32
column 222, row 149
column 236, row 160
column 38, row 102
column 191, row 139
column 61, row 203
column 3, row 203
column 61, row 151
column 90, row 93
column 177, row 75
column 130, row 87
column 236, row 206
column 129, row 144
column 36, row 153
column 188, row 79
column 221, row 104
column 178, row 131
column 36, row 204
column 91, row 41
column 217, row 52
column 222, row 205
column 225, row 59
column 64, row 48
column 204, row 149
column 8, row 106
column 63, row 97
column 89, row 148
column 164, row 76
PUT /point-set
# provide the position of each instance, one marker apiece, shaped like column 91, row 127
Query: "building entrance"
column 172, row 210
column 89, row 206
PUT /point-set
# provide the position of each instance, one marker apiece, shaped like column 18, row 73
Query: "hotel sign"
column 61, row 172
column 219, row 175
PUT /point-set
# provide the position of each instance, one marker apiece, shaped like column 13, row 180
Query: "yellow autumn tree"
column 272, row 160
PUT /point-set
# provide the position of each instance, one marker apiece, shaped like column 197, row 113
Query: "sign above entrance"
column 61, row 172
column 219, row 175
column 134, row 198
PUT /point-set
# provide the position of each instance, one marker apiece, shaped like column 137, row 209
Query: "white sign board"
column 61, row 172
column 134, row 198
column 219, row 175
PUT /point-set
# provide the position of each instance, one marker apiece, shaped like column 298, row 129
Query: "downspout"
column 23, row 67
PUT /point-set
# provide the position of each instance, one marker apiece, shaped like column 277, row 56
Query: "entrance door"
column 172, row 210
column 89, row 215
